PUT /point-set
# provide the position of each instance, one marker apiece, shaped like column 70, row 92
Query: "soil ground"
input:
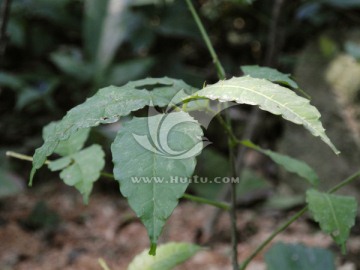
column 73, row 236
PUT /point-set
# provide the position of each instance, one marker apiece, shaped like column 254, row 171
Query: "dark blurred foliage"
column 60, row 52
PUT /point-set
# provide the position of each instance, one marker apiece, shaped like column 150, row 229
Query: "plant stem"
column 292, row 219
column 221, row 205
column 271, row 237
column 234, row 233
column 228, row 127
column 205, row 36
column 107, row 175
column 21, row 156
column 347, row 181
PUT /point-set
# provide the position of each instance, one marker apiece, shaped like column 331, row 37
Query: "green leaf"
column 269, row 74
column 270, row 97
column 153, row 159
column 167, row 257
column 288, row 163
column 11, row 81
column 81, row 169
column 107, row 24
column 71, row 63
column 70, row 146
column 94, row 13
column 298, row 257
column 336, row 214
column 130, row 70
column 107, row 106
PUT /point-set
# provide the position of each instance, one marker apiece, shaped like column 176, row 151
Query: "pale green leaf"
column 167, row 257
column 336, row 214
column 148, row 154
column 107, row 24
column 298, row 257
column 288, row 163
column 70, row 146
column 93, row 23
column 107, row 106
column 270, row 97
column 81, row 169
column 269, row 74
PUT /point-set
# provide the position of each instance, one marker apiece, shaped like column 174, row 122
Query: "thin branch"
column 232, row 186
column 21, row 156
column 271, row 237
column 205, row 36
column 296, row 216
column 228, row 127
column 221, row 205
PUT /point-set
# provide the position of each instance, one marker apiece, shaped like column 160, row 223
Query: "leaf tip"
column 152, row 250
column 32, row 174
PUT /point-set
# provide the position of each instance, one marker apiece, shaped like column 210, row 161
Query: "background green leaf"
column 288, row 163
column 167, row 257
column 336, row 214
column 270, row 74
column 298, row 257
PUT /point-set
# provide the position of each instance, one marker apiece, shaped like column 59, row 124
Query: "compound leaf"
column 153, row 159
column 336, row 214
column 270, row 97
column 288, row 163
column 81, row 169
column 107, row 106
column 167, row 257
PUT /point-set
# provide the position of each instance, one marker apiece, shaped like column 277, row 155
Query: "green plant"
column 155, row 156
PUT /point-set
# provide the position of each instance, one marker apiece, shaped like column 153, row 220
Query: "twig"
column 221, row 205
column 271, row 237
column 296, row 216
column 231, row 145
column 205, row 36
column 21, row 156
column 4, row 18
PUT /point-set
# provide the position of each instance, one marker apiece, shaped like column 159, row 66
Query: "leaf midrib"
column 267, row 97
